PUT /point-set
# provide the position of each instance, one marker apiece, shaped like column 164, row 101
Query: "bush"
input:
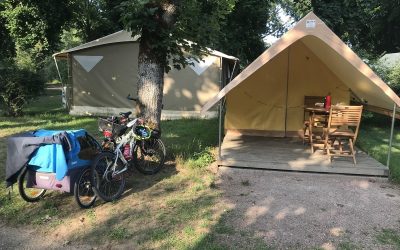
column 16, row 87
column 394, row 78
column 389, row 74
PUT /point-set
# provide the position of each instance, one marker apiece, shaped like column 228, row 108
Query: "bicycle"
column 127, row 143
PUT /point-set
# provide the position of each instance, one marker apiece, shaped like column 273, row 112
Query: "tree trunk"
column 150, row 86
column 152, row 62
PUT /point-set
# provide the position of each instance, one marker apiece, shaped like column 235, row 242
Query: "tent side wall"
column 103, row 89
column 106, row 85
column 270, row 102
column 185, row 90
column 259, row 102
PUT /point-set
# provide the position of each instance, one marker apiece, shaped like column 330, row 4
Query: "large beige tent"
column 103, row 72
column 267, row 98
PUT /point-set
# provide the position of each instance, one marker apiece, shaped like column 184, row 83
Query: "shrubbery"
column 390, row 74
column 17, row 86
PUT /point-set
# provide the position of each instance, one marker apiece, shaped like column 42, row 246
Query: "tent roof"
column 121, row 37
column 333, row 52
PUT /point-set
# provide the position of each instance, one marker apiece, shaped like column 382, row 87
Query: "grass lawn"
column 175, row 208
column 373, row 138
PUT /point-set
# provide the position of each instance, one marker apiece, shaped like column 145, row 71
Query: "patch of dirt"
column 284, row 210
column 28, row 238
column 302, row 210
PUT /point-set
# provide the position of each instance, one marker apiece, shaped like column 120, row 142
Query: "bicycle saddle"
column 126, row 114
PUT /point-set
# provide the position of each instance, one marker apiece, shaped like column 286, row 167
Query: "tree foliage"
column 174, row 31
column 386, row 26
column 371, row 27
column 95, row 18
column 389, row 74
column 351, row 20
column 29, row 33
column 168, row 27
column 7, row 45
column 171, row 33
column 17, row 86
column 245, row 29
column 34, row 27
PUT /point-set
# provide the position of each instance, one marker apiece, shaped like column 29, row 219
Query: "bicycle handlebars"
column 131, row 98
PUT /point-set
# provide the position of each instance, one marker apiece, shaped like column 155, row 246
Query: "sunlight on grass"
column 119, row 233
column 389, row 237
column 174, row 209
column 176, row 204
column 374, row 140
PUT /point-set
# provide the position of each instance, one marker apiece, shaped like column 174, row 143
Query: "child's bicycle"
column 126, row 143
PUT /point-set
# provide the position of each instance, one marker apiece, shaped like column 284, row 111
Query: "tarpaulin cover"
column 21, row 147
column 52, row 158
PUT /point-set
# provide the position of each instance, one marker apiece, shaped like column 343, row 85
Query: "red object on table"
column 327, row 102
column 107, row 134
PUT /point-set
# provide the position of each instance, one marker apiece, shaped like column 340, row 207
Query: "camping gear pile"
column 52, row 160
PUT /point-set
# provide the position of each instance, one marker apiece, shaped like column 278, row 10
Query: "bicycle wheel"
column 83, row 191
column 149, row 156
column 28, row 194
column 105, row 183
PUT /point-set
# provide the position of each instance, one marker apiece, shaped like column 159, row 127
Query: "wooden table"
column 316, row 114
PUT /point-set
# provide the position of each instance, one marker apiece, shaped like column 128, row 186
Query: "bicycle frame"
column 124, row 146
column 126, row 138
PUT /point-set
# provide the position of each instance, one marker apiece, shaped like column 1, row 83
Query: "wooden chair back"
column 345, row 117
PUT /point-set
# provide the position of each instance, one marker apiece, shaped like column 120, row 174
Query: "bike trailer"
column 53, row 168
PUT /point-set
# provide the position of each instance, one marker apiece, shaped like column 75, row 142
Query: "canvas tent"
column 267, row 98
column 102, row 72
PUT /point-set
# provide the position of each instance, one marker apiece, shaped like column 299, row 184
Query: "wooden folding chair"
column 309, row 102
column 343, row 124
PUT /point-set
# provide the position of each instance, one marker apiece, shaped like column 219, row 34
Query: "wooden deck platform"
column 291, row 155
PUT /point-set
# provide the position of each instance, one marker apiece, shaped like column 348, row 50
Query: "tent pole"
column 233, row 71
column 58, row 70
column 391, row 135
column 220, row 110
column 287, row 90
column 219, row 131
column 69, row 65
column 221, row 105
